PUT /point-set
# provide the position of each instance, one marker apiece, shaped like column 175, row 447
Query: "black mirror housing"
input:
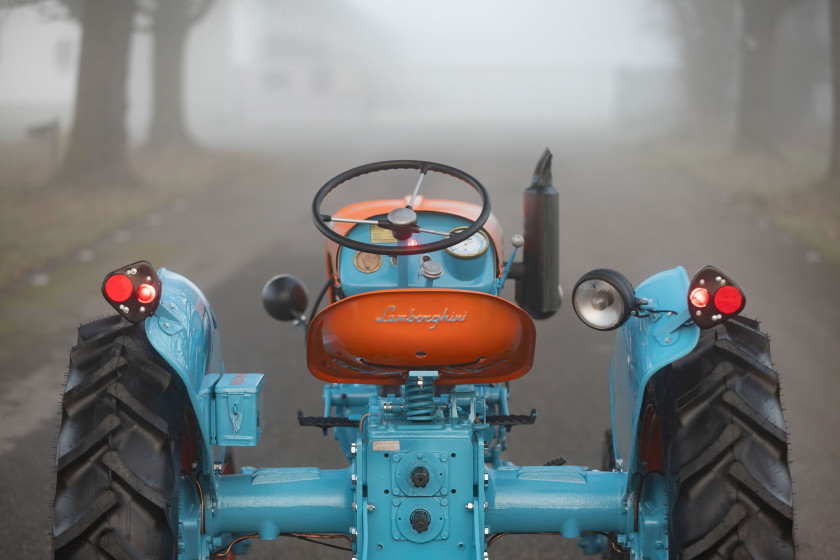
column 285, row 298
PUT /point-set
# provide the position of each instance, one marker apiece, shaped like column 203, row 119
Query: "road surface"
column 617, row 211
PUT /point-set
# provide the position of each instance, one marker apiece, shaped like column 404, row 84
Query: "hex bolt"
column 355, row 507
column 420, row 477
column 486, row 506
column 486, row 478
column 420, row 520
column 352, row 449
column 353, row 479
column 371, row 507
column 470, row 506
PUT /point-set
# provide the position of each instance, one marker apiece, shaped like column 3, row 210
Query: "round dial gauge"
column 472, row 247
column 367, row 262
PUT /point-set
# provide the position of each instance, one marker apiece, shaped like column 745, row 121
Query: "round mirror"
column 285, row 298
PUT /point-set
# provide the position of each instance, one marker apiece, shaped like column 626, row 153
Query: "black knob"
column 420, row 520
column 420, row 477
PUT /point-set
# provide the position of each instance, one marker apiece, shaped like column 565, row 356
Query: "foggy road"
column 617, row 211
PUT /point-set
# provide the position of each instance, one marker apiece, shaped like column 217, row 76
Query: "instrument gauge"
column 472, row 247
column 367, row 262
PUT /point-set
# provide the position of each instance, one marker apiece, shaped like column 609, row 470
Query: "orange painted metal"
column 377, row 337
column 367, row 209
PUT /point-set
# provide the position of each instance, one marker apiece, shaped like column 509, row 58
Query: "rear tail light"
column 713, row 298
column 133, row 290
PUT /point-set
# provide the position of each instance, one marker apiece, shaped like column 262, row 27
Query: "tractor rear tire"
column 724, row 445
column 118, row 453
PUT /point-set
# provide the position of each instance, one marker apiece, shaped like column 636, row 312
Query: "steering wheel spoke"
column 402, row 221
column 433, row 232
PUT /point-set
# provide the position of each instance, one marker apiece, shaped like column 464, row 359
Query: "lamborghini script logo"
column 391, row 316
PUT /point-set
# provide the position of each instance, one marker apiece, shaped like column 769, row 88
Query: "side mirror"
column 285, row 298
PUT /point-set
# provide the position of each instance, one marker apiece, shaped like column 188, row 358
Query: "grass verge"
column 787, row 188
column 41, row 222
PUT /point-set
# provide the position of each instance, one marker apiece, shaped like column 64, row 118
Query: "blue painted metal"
column 644, row 345
column 506, row 270
column 274, row 501
column 565, row 499
column 184, row 332
column 238, row 410
column 478, row 274
column 471, row 494
column 374, row 499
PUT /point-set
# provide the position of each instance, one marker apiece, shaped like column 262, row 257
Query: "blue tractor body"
column 424, row 439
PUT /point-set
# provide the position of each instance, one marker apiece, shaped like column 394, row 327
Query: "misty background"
column 260, row 71
column 193, row 133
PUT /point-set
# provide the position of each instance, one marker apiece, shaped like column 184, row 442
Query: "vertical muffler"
column 538, row 275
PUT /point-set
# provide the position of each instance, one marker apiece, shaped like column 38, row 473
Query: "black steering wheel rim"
column 422, row 166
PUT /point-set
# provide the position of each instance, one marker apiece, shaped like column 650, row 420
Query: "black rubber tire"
column 118, row 453
column 725, row 447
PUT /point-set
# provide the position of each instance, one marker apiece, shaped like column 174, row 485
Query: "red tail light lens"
column 713, row 298
column 119, row 288
column 146, row 293
column 699, row 297
column 133, row 290
column 728, row 299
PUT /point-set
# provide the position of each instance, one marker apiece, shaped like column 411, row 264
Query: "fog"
column 684, row 132
column 259, row 73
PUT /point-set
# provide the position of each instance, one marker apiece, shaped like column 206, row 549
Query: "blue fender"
column 184, row 332
column 644, row 345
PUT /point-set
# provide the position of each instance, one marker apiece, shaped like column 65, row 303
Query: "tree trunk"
column 834, row 162
column 755, row 131
column 97, row 151
column 171, row 27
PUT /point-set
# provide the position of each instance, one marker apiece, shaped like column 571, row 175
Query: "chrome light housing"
column 603, row 299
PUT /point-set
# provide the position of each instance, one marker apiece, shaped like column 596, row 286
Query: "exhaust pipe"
column 537, row 276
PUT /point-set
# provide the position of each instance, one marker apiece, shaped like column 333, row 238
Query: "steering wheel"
column 401, row 221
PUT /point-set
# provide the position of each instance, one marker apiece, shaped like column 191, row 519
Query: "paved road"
column 616, row 211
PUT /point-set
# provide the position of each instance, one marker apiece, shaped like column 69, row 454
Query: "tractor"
column 417, row 350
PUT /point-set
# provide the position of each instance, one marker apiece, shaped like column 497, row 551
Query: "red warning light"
column 119, row 288
column 728, row 299
column 412, row 243
column 699, row 297
column 146, row 293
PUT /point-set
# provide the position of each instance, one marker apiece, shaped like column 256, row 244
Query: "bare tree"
column 706, row 36
column 755, row 114
column 171, row 23
column 97, row 151
column 833, row 176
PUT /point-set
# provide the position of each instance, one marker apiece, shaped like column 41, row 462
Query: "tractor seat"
column 378, row 337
